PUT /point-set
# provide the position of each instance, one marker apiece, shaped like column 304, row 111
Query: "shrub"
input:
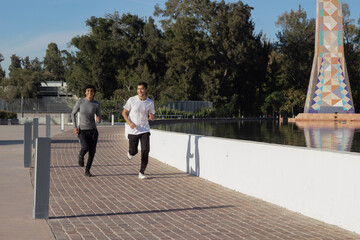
column 110, row 107
column 7, row 115
column 206, row 113
column 203, row 113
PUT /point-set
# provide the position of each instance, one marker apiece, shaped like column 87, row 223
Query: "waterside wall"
column 334, row 117
column 321, row 184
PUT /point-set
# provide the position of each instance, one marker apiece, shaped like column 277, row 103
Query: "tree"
column 14, row 82
column 25, row 78
column 273, row 103
column 118, row 52
column 296, row 49
column 184, row 59
column 143, row 56
column 53, row 64
column 2, row 78
column 68, row 61
column 31, row 77
column 293, row 102
column 296, row 45
column 198, row 10
column 213, row 52
column 2, row 72
column 350, row 29
column 155, row 57
column 352, row 53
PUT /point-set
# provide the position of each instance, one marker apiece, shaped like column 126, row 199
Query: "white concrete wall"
column 324, row 185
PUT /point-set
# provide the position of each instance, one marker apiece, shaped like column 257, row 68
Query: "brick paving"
column 115, row 204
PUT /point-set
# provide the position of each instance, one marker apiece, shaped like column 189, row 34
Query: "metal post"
column 27, row 144
column 48, row 126
column 112, row 120
column 42, row 178
column 62, row 122
column 35, row 130
column 9, row 121
column 22, row 106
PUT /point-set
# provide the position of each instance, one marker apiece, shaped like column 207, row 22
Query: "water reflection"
column 261, row 131
column 324, row 135
column 329, row 135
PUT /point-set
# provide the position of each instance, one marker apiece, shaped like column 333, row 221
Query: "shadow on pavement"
column 142, row 212
column 11, row 142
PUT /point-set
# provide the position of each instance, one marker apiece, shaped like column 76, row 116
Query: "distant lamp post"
column 22, row 106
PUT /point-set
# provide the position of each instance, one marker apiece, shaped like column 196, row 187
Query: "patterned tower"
column 329, row 89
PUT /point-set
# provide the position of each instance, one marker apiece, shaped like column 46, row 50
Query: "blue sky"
column 28, row 26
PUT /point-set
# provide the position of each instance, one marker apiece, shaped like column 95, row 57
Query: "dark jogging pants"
column 88, row 141
column 145, row 148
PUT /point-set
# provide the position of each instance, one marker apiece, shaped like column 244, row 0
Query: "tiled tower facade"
column 329, row 88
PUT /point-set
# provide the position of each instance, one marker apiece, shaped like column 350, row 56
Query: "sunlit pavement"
column 170, row 204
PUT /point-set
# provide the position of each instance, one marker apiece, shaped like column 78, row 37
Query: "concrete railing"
column 324, row 185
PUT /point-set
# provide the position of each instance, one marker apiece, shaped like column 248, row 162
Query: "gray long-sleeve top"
column 87, row 111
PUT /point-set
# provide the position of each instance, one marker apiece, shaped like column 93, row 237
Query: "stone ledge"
column 326, row 117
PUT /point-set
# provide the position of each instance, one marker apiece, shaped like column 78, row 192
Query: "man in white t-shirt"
column 137, row 111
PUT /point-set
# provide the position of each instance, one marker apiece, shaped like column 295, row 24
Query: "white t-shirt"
column 139, row 114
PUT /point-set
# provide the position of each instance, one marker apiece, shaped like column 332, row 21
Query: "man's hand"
column 132, row 125
column 76, row 131
column 151, row 116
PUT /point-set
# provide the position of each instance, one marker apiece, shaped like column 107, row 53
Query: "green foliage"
column 273, row 103
column 206, row 113
column 214, row 54
column 296, row 46
column 293, row 102
column 25, row 78
column 118, row 53
column 164, row 112
column 53, row 64
column 2, row 72
column 289, row 66
column 352, row 53
column 169, row 113
column 110, row 107
column 7, row 115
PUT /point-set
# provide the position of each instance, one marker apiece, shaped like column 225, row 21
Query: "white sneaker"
column 142, row 176
column 129, row 156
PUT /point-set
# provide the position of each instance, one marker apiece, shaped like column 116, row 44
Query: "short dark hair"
column 144, row 84
column 90, row 86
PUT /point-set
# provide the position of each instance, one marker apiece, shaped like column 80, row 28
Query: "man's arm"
column 73, row 116
column 152, row 112
column 125, row 114
column 98, row 114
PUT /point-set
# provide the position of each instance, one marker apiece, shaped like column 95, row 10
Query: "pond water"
column 340, row 136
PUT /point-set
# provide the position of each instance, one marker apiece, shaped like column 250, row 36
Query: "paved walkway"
column 115, row 204
column 16, row 191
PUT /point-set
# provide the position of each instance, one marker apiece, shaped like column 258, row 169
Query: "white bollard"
column 112, row 120
column 62, row 128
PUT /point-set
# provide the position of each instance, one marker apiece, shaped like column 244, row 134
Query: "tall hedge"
column 7, row 115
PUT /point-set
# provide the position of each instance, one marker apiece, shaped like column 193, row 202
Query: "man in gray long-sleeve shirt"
column 87, row 131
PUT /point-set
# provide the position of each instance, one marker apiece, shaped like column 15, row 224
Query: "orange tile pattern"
column 329, row 88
